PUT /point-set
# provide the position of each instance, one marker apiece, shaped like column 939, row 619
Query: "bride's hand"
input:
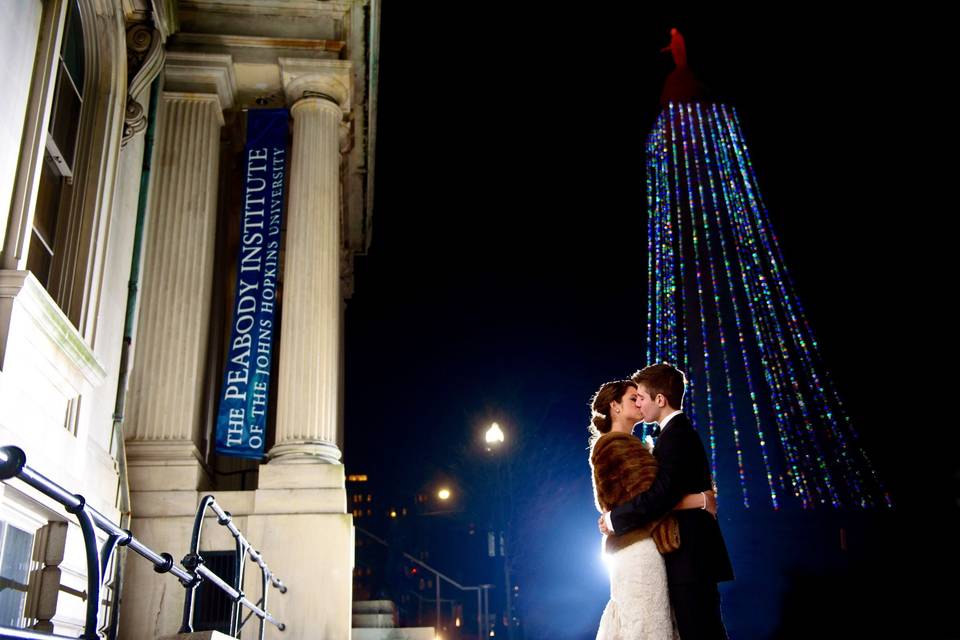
column 603, row 525
column 706, row 500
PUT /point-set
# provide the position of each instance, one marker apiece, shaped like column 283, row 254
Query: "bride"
column 639, row 606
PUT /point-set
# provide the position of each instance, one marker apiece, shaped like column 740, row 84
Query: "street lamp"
column 494, row 438
column 444, row 494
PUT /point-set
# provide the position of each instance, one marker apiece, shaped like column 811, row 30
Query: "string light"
column 715, row 270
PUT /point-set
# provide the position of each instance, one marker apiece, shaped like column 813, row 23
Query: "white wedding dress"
column 639, row 606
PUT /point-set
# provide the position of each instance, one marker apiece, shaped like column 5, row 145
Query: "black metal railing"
column 194, row 562
column 13, row 464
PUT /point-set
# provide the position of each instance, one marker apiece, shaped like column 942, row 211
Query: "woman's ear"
column 614, row 407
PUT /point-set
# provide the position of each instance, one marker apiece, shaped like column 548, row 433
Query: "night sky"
column 507, row 273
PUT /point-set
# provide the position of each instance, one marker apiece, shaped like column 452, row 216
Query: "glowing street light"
column 444, row 494
column 494, row 434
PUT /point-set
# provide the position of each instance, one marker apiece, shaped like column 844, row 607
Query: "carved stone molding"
column 201, row 73
column 145, row 57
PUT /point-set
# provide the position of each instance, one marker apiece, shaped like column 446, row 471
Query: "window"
column 59, row 156
column 16, row 552
column 213, row 605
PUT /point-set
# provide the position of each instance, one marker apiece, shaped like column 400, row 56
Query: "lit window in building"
column 369, row 498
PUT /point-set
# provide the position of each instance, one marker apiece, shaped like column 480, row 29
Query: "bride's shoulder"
column 616, row 442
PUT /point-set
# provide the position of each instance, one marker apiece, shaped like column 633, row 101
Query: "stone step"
column 374, row 621
column 405, row 633
column 374, row 606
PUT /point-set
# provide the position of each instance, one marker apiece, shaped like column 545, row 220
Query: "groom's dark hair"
column 663, row 378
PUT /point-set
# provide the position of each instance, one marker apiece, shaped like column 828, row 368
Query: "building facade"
column 120, row 200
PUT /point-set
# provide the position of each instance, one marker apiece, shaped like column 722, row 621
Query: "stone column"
column 164, row 414
column 309, row 366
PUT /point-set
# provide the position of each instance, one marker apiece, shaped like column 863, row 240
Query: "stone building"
column 120, row 198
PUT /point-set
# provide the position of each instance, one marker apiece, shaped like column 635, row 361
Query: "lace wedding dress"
column 639, row 606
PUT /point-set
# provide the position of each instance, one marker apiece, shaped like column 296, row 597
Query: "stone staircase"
column 377, row 620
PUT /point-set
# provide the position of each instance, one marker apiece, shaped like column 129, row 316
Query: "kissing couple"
column 662, row 544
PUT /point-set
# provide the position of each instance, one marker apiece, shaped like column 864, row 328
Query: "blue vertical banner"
column 244, row 399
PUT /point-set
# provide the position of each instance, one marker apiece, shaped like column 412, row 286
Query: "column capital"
column 205, row 73
column 330, row 79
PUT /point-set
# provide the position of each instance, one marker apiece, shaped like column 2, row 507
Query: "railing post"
column 191, row 561
column 91, row 627
column 264, row 590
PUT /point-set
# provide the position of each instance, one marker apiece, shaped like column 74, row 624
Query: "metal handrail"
column 193, row 560
column 13, row 464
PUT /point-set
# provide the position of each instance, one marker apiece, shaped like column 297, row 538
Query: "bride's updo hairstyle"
column 600, row 421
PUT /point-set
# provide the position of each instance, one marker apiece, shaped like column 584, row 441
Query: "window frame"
column 77, row 269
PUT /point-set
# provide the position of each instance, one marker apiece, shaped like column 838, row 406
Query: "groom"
column 694, row 570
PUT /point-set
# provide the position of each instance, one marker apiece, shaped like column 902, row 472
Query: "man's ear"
column 661, row 400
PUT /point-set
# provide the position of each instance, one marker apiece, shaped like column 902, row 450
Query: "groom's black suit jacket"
column 702, row 556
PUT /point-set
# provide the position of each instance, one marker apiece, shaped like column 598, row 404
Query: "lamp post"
column 495, row 438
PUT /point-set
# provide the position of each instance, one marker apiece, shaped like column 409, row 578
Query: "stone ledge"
column 29, row 316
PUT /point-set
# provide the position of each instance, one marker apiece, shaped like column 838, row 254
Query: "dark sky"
column 506, row 269
column 506, row 275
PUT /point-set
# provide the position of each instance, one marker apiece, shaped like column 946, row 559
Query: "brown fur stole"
column 622, row 468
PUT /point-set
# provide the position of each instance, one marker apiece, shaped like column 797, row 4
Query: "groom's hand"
column 603, row 525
